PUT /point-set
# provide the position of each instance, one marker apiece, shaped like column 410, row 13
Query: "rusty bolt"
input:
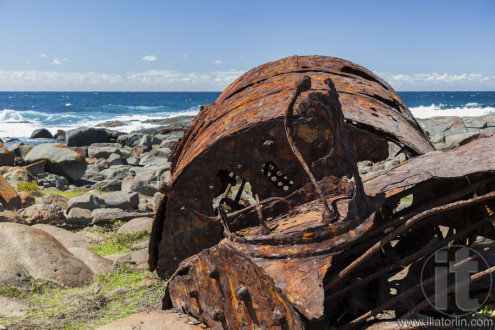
column 242, row 293
column 193, row 293
column 278, row 316
column 213, row 272
column 218, row 314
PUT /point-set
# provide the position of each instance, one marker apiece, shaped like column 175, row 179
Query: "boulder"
column 158, row 319
column 6, row 157
column 161, row 152
column 118, row 172
column 12, row 308
column 12, row 273
column 134, row 185
column 90, row 237
column 85, row 136
column 110, row 215
column 96, row 263
column 67, row 238
column 55, row 199
column 41, row 133
column 93, row 176
column 61, row 160
column 12, row 217
column 43, row 256
column 78, row 217
column 454, row 141
column 137, row 151
column 109, row 185
column 49, row 180
column 149, row 160
column 121, row 200
column 156, row 199
column 130, row 140
column 14, row 148
column 141, row 245
column 9, row 197
column 18, row 174
column 36, row 168
column 136, row 225
column 87, row 201
column 27, row 199
column 140, row 259
column 60, row 135
column 24, row 150
column 101, row 152
column 115, row 159
column 41, row 214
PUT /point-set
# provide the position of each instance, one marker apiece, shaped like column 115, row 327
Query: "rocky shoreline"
column 98, row 176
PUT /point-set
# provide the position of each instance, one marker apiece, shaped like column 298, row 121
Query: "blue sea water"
column 22, row 112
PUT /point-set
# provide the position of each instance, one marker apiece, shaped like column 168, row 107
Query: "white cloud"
column 154, row 80
column 439, row 81
column 185, row 56
column 217, row 62
column 149, row 58
column 59, row 61
column 43, row 56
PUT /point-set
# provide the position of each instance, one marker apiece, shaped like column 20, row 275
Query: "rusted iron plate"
column 474, row 157
column 320, row 135
column 263, row 93
column 301, row 281
column 225, row 289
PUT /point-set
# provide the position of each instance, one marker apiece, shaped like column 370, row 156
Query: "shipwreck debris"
column 313, row 244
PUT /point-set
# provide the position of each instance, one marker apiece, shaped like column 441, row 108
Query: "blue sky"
column 204, row 45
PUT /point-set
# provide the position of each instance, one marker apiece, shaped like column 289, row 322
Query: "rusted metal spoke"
column 301, row 86
column 424, row 251
column 264, row 229
column 415, row 289
column 440, row 201
column 473, row 278
column 225, row 224
column 408, row 224
column 239, row 194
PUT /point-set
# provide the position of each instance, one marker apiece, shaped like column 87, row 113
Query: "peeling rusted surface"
column 225, row 289
column 474, row 157
column 313, row 246
column 244, row 129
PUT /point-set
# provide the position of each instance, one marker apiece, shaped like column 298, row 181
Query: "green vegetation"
column 122, row 293
column 120, row 243
column 69, row 194
column 30, row 187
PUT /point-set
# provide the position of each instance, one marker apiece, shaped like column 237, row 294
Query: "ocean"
column 22, row 112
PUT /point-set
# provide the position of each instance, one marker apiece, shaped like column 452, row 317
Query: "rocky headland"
column 75, row 214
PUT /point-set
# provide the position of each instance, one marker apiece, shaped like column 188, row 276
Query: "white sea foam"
column 20, row 124
column 470, row 109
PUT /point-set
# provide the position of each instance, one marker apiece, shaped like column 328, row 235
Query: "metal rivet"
column 242, row 293
column 286, row 188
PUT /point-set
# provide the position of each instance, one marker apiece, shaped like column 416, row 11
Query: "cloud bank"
column 153, row 80
column 439, row 81
column 169, row 80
